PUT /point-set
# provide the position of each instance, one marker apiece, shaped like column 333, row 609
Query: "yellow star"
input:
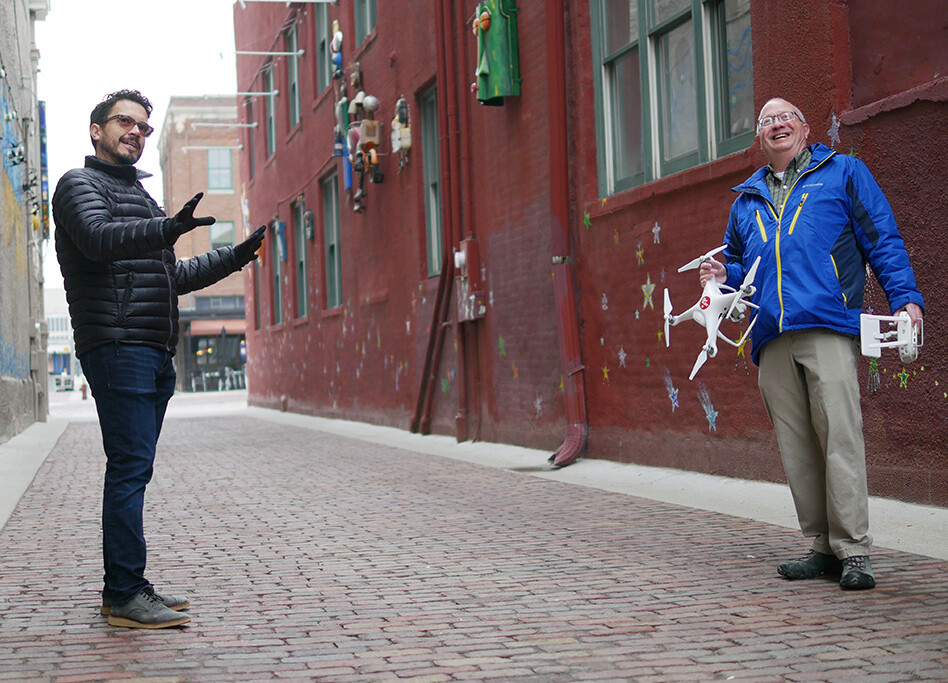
column 661, row 334
column 647, row 289
column 605, row 373
column 740, row 348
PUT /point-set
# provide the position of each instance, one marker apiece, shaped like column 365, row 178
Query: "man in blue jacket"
column 815, row 218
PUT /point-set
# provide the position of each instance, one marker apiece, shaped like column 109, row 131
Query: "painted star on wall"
column 605, row 373
column 833, row 132
column 647, row 289
column 639, row 253
column 656, row 233
column 903, row 377
column 622, row 356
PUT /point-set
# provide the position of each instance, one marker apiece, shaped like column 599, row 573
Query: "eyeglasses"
column 127, row 122
column 785, row 117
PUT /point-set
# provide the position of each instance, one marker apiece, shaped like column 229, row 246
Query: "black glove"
column 246, row 251
column 184, row 221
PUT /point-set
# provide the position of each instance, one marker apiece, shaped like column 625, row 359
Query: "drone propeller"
column 745, row 287
column 668, row 310
column 701, row 259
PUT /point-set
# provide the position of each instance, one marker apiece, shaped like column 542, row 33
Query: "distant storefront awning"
column 199, row 328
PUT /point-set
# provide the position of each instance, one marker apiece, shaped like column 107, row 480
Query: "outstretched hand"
column 246, row 251
column 184, row 221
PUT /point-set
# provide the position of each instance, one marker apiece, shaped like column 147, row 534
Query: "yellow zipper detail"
column 797, row 214
column 760, row 224
column 836, row 270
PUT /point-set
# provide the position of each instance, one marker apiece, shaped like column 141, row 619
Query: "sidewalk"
column 324, row 550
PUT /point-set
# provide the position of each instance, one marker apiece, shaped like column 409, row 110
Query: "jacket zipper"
column 792, row 224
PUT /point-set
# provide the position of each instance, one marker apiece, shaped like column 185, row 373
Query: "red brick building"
column 621, row 128
column 198, row 147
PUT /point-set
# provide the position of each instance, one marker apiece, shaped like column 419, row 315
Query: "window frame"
column 708, row 32
column 431, row 184
column 216, row 227
column 322, row 29
column 276, row 275
column 269, row 85
column 251, row 135
column 292, row 43
column 300, row 260
column 366, row 19
column 218, row 171
column 332, row 252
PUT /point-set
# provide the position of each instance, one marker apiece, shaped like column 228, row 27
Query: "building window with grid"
column 333, row 265
column 270, row 100
column 323, row 31
column 364, row 19
column 299, row 258
column 220, row 169
column 674, row 86
column 222, row 234
column 432, row 177
column 293, row 74
column 276, row 271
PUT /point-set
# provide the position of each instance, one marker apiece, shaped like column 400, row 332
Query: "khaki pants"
column 810, row 387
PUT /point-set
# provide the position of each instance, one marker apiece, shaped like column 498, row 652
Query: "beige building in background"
column 24, row 221
column 198, row 149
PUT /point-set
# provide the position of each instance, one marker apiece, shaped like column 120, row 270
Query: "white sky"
column 89, row 48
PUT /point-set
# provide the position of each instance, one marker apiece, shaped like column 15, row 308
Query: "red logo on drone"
column 704, row 303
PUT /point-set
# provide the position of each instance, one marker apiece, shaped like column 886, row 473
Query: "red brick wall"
column 364, row 361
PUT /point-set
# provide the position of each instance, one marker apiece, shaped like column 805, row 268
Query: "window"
column 276, row 272
column 252, row 147
column 220, row 169
column 256, row 293
column 323, row 53
column 203, row 304
column 674, row 88
column 432, row 178
column 333, row 266
column 269, row 87
column 222, row 234
column 364, row 19
column 293, row 74
column 299, row 242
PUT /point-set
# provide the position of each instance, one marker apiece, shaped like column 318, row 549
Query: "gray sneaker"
column 170, row 601
column 145, row 610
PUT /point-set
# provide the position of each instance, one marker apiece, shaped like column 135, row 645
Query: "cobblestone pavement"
column 310, row 556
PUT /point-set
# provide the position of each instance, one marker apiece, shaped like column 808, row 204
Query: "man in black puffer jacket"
column 115, row 249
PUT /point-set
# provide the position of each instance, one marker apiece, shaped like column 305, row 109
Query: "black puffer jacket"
column 121, row 277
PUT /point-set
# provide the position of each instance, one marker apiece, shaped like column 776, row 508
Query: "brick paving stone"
column 310, row 556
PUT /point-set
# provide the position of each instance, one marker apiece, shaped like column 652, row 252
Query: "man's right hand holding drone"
column 712, row 268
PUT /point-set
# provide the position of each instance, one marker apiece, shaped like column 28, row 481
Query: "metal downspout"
column 450, row 228
column 571, row 360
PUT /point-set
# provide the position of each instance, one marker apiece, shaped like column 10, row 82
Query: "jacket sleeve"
column 82, row 210
column 202, row 271
column 879, row 238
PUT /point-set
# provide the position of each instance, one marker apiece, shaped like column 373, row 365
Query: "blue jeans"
column 131, row 385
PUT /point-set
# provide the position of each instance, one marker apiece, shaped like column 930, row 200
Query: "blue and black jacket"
column 815, row 246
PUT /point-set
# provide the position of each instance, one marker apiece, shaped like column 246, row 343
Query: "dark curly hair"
column 101, row 111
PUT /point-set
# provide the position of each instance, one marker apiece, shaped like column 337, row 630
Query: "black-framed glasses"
column 127, row 122
column 784, row 116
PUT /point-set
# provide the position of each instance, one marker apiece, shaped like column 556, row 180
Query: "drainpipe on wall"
column 577, row 428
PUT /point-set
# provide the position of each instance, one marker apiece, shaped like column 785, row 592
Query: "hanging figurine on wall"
column 498, row 53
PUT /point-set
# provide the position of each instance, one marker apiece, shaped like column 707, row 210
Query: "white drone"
column 717, row 303
column 907, row 338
